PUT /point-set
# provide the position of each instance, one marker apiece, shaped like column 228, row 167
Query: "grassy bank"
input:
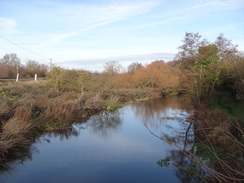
column 29, row 109
column 219, row 133
column 234, row 109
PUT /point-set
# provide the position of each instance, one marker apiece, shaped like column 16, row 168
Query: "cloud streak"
column 215, row 5
column 106, row 13
column 8, row 26
column 95, row 64
column 122, row 30
column 87, row 17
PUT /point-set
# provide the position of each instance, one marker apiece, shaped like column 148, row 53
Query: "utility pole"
column 51, row 64
column 17, row 77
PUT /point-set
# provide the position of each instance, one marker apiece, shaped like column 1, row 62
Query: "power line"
column 11, row 51
column 24, row 48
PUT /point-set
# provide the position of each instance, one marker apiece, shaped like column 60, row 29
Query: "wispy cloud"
column 166, row 21
column 8, row 26
column 86, row 17
column 96, row 63
column 122, row 30
column 90, row 14
column 54, row 39
column 183, row 11
column 215, row 5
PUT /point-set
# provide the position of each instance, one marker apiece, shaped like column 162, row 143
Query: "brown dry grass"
column 15, row 126
column 33, row 87
column 16, row 115
column 4, row 106
column 15, row 130
column 33, row 105
column 212, row 122
column 223, row 140
column 57, row 108
column 10, row 141
column 95, row 102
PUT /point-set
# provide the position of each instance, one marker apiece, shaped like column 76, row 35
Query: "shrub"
column 113, row 103
column 95, row 102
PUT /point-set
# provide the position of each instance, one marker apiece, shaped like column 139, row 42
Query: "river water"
column 129, row 145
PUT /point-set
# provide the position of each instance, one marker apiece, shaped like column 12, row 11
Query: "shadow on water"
column 99, row 124
column 20, row 156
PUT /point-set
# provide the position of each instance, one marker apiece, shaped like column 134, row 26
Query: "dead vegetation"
column 221, row 140
column 30, row 108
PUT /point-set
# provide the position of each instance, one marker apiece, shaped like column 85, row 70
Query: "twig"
column 217, row 175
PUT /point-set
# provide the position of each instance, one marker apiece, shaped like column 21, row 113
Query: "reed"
column 4, row 106
column 57, row 108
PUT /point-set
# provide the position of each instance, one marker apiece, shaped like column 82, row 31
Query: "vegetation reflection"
column 102, row 123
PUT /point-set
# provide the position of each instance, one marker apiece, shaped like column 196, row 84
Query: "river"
column 128, row 145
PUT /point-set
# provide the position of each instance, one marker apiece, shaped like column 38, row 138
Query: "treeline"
column 157, row 75
column 200, row 69
column 206, row 67
column 203, row 70
column 10, row 66
column 212, row 74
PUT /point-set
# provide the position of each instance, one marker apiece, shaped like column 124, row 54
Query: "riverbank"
column 29, row 109
column 219, row 133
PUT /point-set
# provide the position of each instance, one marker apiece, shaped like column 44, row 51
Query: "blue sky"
column 86, row 34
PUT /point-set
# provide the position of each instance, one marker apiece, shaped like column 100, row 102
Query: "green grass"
column 232, row 108
column 205, row 154
column 9, row 95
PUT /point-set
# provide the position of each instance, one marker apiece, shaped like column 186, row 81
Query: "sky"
column 86, row 34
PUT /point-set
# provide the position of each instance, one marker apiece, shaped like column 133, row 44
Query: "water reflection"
column 154, row 111
column 125, row 153
column 104, row 122
column 24, row 154
column 188, row 171
column 181, row 157
column 166, row 119
column 63, row 134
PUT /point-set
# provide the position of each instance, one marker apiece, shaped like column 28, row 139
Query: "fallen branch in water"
column 216, row 175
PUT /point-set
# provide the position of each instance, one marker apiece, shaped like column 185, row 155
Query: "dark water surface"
column 112, row 147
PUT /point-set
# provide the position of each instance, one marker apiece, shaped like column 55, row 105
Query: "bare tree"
column 113, row 67
column 11, row 60
column 135, row 65
column 33, row 67
column 191, row 43
column 10, row 63
column 225, row 47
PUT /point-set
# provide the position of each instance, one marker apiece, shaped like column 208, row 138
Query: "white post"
column 17, row 77
column 35, row 77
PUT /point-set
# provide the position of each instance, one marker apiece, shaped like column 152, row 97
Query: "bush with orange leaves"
column 155, row 75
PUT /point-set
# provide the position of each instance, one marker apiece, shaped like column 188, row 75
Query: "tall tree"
column 207, row 55
column 11, row 63
column 191, row 43
column 11, row 60
column 33, row 67
column 225, row 47
column 207, row 69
